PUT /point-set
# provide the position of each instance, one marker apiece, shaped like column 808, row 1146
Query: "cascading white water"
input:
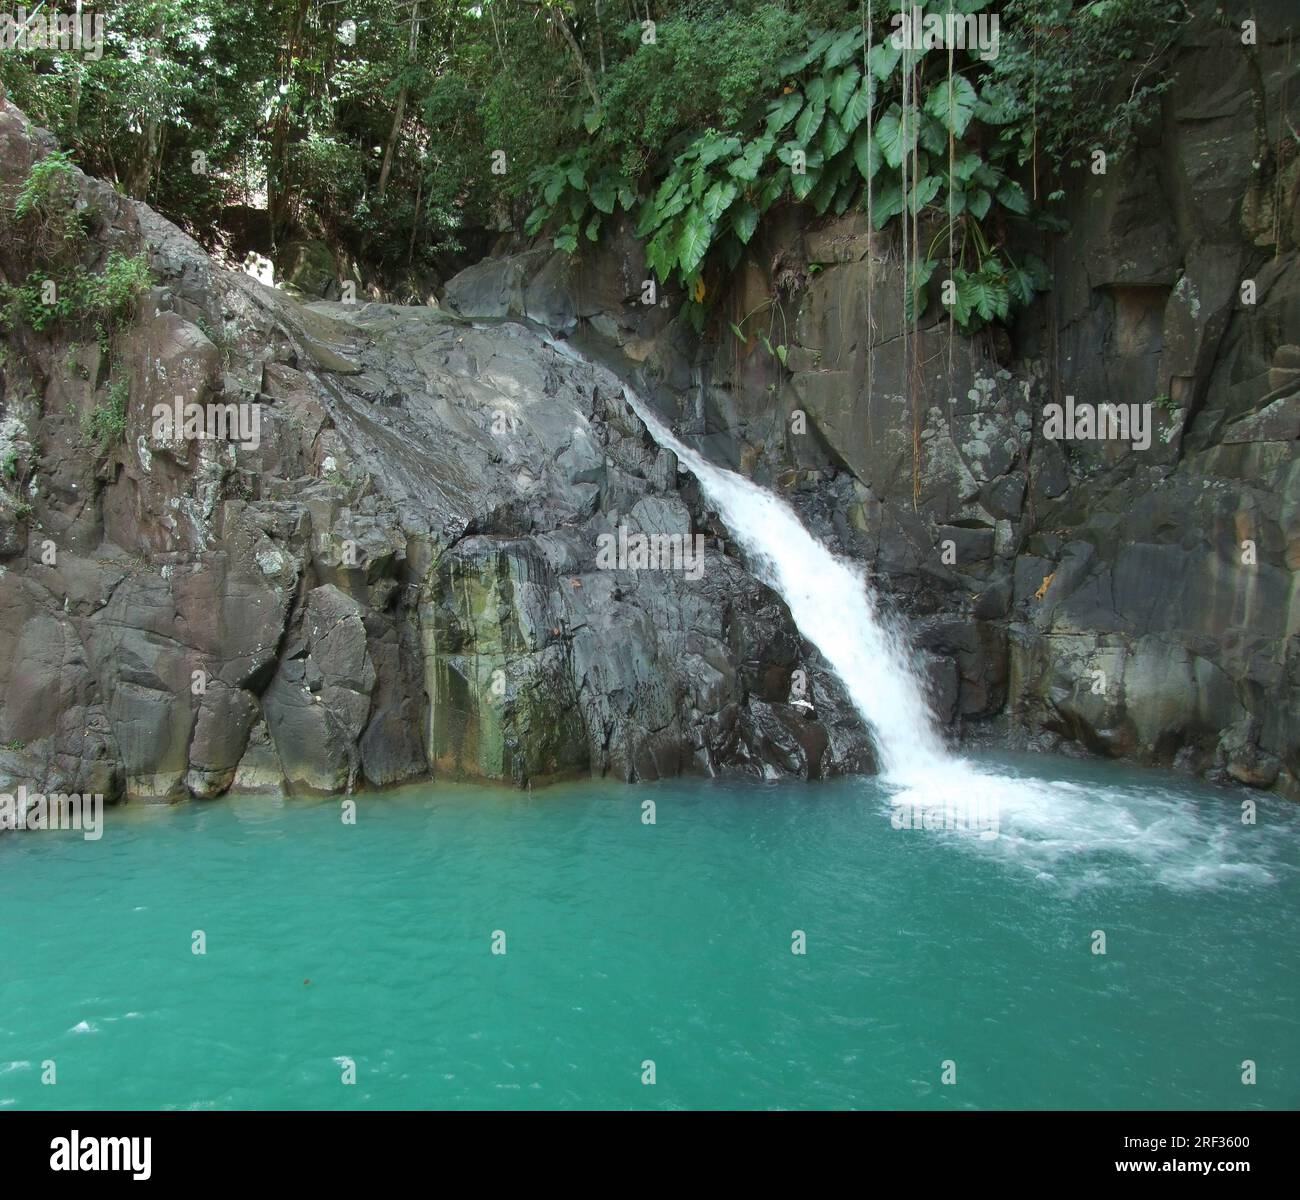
column 831, row 603
column 1035, row 822
column 834, row 607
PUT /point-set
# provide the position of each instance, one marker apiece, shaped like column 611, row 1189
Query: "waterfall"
column 1033, row 821
column 832, row 604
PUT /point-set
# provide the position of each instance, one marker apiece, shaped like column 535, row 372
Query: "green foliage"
column 779, row 351
column 44, row 210
column 812, row 140
column 1070, row 77
column 838, row 123
column 175, row 76
column 112, row 293
column 218, row 336
column 105, row 424
column 51, row 232
column 106, row 297
column 383, row 144
column 707, row 65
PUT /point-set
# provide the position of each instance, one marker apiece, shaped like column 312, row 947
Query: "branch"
column 556, row 16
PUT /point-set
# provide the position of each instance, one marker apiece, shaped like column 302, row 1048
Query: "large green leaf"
column 604, row 195
column 812, row 158
column 965, row 164
column 810, row 119
column 675, row 204
column 858, row 104
column 952, row 101
column 923, row 192
column 554, row 186
column 823, row 193
column 866, row 153
column 744, row 220
column 801, row 185
column 781, row 112
column 693, row 244
column 843, row 48
column 713, row 146
column 893, row 139
column 842, row 88
column 990, row 294
column 834, row 139
column 887, row 202
column 919, row 274
column 747, row 166
column 883, row 59
column 773, row 189
column 1021, row 284
column 670, row 185
column 962, row 305
column 932, row 134
column 1011, row 195
column 718, row 198
column 800, row 59
column 998, row 104
column 660, row 253
column 793, row 64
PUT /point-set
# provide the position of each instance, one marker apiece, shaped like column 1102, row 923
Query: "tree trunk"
column 277, row 187
column 587, row 77
column 142, row 170
column 556, row 16
column 398, row 112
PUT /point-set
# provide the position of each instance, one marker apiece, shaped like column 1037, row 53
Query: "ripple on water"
column 669, row 944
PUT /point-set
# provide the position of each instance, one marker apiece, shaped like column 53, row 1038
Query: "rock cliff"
column 395, row 576
column 1133, row 600
column 400, row 577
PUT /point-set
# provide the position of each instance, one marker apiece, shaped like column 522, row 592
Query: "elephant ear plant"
column 937, row 142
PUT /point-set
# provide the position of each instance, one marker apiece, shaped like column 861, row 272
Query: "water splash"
column 1042, row 825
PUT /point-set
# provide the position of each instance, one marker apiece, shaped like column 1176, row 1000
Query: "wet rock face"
column 390, row 569
column 1134, row 600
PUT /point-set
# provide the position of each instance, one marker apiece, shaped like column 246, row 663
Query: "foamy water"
column 1036, row 824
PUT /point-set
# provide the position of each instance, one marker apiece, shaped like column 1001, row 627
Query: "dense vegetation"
column 44, row 218
column 398, row 130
